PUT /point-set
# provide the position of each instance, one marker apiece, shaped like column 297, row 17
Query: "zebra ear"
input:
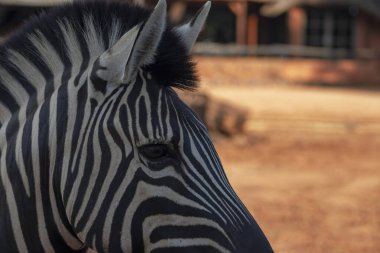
column 149, row 38
column 189, row 32
column 134, row 49
column 110, row 66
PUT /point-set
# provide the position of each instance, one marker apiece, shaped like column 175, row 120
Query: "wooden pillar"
column 240, row 9
column 177, row 12
column 297, row 26
column 362, row 34
column 253, row 29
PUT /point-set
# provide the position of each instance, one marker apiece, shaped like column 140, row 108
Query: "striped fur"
column 73, row 176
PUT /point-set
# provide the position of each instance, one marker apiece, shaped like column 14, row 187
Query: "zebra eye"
column 155, row 152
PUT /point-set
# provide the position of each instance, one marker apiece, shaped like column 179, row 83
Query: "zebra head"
column 104, row 155
column 158, row 182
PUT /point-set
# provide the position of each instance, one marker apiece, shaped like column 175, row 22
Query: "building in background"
column 311, row 28
column 303, row 28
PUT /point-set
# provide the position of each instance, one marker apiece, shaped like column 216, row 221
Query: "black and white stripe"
column 98, row 152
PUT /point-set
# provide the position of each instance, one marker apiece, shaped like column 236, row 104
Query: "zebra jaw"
column 137, row 47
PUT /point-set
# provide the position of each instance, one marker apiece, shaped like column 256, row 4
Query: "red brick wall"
column 259, row 71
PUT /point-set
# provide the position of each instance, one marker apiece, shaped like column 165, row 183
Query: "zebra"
column 98, row 153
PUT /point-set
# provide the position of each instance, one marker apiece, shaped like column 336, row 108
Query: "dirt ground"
column 308, row 165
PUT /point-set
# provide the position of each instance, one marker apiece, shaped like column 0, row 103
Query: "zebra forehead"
column 96, row 26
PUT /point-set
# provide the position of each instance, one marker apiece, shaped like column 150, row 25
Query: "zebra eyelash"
column 162, row 141
column 167, row 154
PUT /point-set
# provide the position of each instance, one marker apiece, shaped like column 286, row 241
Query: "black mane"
column 172, row 65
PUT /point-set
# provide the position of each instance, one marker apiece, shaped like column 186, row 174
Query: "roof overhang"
column 277, row 7
column 33, row 3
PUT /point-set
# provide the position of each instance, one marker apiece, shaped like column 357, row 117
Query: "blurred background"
column 290, row 90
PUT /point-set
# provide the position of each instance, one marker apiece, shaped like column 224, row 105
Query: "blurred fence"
column 279, row 50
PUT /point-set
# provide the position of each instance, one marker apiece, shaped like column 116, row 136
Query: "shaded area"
column 218, row 115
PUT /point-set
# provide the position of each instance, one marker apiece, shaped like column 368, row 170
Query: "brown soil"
column 309, row 192
column 308, row 165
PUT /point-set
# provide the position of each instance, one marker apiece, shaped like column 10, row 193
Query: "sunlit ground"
column 308, row 166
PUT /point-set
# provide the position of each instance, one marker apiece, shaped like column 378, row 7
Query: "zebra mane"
column 102, row 23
